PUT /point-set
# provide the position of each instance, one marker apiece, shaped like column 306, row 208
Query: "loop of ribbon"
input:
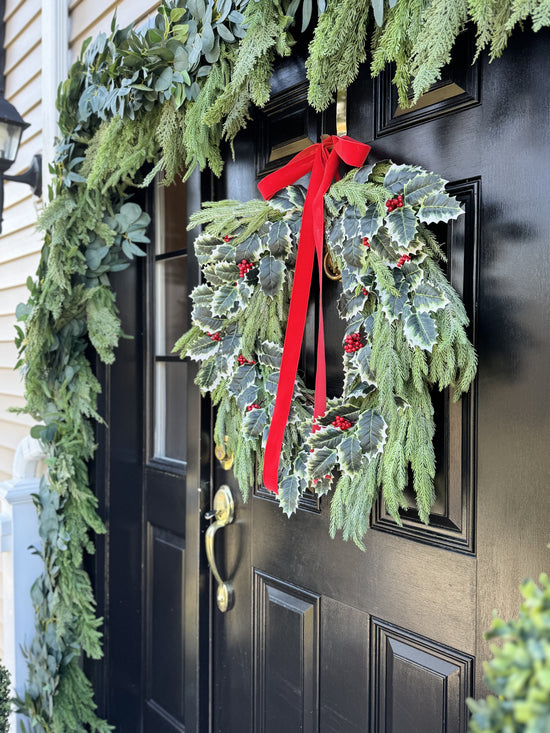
column 322, row 161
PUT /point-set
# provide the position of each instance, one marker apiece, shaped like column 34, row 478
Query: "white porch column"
column 18, row 532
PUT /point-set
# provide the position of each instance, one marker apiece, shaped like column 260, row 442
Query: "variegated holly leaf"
column 336, row 237
column 230, row 345
column 398, row 176
column 354, row 252
column 439, row 207
column 346, row 410
column 419, row 328
column 224, row 252
column 254, row 422
column 382, row 244
column 271, row 273
column 321, row 462
column 244, row 377
column 250, row 250
column 354, row 324
column 202, row 295
column 393, row 304
column 428, row 299
column 371, row 432
column 221, row 272
column 350, row 305
column 248, row 397
column 351, row 278
column 279, row 239
column 292, row 197
column 362, row 358
column 421, row 186
column 402, row 223
column 362, row 174
column 203, row 347
column 300, row 464
column 271, row 383
column 204, row 319
column 297, row 195
column 289, row 494
column 226, row 301
column 412, row 273
column 205, row 244
column 350, row 455
column 370, row 223
column 360, row 390
column 350, row 221
column 327, row 437
column 270, row 354
column 209, row 376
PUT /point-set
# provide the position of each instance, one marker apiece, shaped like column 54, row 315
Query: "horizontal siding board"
column 22, row 47
column 25, row 97
column 12, row 7
column 25, row 69
column 86, row 21
column 26, row 16
column 10, row 297
column 16, row 272
column 6, row 460
column 11, row 382
column 8, row 355
column 22, row 212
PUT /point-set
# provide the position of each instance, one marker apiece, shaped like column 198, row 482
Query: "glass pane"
column 171, row 206
column 171, row 302
column 171, row 410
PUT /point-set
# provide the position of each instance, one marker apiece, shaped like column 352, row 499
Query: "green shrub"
column 5, row 702
column 519, row 672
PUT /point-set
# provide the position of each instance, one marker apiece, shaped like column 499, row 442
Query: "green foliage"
column 409, row 322
column 519, row 672
column 5, row 703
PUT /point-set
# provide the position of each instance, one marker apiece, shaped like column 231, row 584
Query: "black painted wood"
column 401, row 625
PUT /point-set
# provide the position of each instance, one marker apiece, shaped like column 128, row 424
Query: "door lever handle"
column 223, row 511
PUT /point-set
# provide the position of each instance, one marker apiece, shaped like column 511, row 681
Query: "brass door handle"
column 224, row 512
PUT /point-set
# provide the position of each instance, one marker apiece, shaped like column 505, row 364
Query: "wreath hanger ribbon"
column 322, row 161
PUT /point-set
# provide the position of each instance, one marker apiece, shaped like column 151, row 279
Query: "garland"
column 164, row 96
column 405, row 331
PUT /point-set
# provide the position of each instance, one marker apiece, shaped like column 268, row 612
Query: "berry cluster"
column 242, row 360
column 403, row 259
column 244, row 267
column 253, row 406
column 214, row 336
column 396, row 203
column 366, row 241
column 227, row 238
column 364, row 291
column 342, row 422
column 353, row 343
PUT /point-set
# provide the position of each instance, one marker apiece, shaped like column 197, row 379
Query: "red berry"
column 366, row 242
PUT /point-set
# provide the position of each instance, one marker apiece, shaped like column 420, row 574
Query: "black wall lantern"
column 11, row 129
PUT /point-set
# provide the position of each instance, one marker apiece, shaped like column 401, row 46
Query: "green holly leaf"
column 221, row 272
column 209, row 376
column 398, row 175
column 419, row 328
column 230, row 345
column 271, row 273
column 289, row 494
column 250, row 250
column 412, row 273
column 350, row 305
column 351, row 278
column 254, row 422
column 422, row 185
column 225, row 301
column 321, row 462
column 439, row 207
column 271, row 383
column 279, row 239
column 224, row 252
column 270, row 355
column 354, row 252
column 350, row 455
column 248, row 397
column 393, row 304
column 428, row 299
column 371, row 432
column 369, row 224
column 402, row 224
column 383, row 246
column 359, row 391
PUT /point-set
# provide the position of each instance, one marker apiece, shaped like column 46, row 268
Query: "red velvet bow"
column 322, row 160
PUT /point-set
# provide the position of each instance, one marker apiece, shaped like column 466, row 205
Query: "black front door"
column 323, row 637
column 153, row 479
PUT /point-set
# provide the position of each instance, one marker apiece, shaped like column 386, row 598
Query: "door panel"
column 392, row 634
